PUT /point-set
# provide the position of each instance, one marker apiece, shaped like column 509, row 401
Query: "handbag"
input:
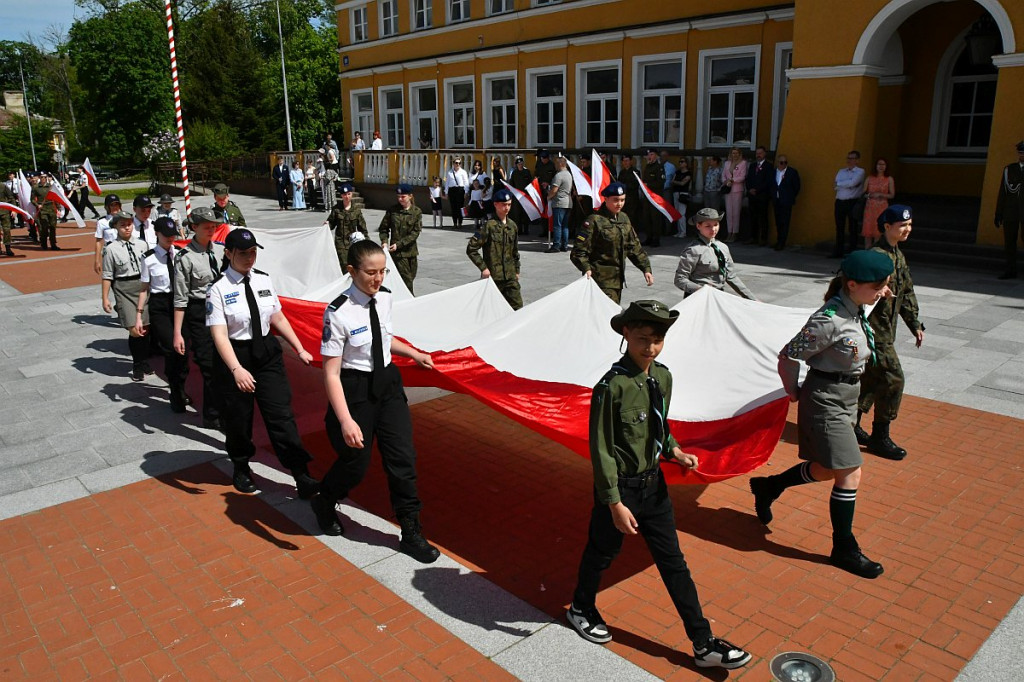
column 724, row 189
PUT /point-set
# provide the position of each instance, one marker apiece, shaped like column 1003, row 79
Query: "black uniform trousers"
column 456, row 200
column 197, row 336
column 274, row 396
column 387, row 419
column 652, row 508
column 1012, row 230
column 161, row 328
column 282, row 195
column 759, row 204
column 783, row 217
column 845, row 213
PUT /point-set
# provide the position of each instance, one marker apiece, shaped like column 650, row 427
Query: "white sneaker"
column 589, row 623
column 718, row 653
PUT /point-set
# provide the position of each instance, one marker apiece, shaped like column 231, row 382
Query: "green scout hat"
column 220, row 189
column 645, row 311
column 706, row 215
column 121, row 216
column 202, row 214
column 867, row 266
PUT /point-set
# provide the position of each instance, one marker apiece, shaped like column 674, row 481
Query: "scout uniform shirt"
column 500, row 250
column 195, row 269
column 834, row 338
column 603, row 244
column 903, row 301
column 700, row 264
column 122, row 261
column 226, row 303
column 623, row 425
column 230, row 214
column 155, row 269
column 401, row 227
column 344, row 223
column 347, row 332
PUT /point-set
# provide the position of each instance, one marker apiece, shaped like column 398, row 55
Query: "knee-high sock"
column 798, row 474
column 840, row 510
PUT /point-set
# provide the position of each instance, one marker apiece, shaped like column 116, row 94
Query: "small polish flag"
column 4, row 206
column 57, row 194
column 532, row 212
column 666, row 209
column 582, row 182
column 94, row 184
column 533, row 189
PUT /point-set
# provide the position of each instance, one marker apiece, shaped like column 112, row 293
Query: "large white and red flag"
column 94, row 184
column 57, row 195
column 4, row 206
column 582, row 182
column 666, row 209
column 533, row 189
column 600, row 176
column 23, row 188
column 532, row 212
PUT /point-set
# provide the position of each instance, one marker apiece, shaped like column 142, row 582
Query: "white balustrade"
column 375, row 167
column 413, row 168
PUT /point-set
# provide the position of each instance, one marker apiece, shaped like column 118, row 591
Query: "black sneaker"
column 718, row 653
column 589, row 623
column 138, row 374
column 326, row 515
column 763, row 498
column 305, row 485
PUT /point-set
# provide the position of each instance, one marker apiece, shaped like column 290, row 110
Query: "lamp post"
column 284, row 76
column 28, row 114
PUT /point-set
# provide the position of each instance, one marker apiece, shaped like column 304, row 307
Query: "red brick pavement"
column 70, row 267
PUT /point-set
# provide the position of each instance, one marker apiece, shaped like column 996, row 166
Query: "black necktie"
column 255, row 322
column 170, row 276
column 376, row 352
column 131, row 257
column 657, row 415
column 723, row 265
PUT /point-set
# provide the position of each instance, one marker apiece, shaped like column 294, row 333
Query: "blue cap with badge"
column 897, row 213
column 241, row 238
column 615, row 189
column 404, row 188
column 502, row 195
column 346, row 188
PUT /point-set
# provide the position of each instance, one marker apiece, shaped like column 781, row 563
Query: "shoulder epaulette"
column 337, row 303
column 218, row 278
column 614, row 371
column 149, row 253
column 385, row 290
column 259, row 272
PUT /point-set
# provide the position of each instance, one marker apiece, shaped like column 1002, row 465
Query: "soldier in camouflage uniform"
column 345, row 219
column 500, row 261
column 399, row 231
column 605, row 241
column 6, row 217
column 225, row 209
column 651, row 219
column 882, row 382
column 46, row 215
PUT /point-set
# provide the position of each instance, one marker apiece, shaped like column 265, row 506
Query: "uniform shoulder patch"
column 385, row 290
column 829, row 310
column 149, row 253
column 337, row 303
column 259, row 272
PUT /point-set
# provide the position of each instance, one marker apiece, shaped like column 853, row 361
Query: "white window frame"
column 394, row 17
column 358, row 118
column 638, row 99
column 704, row 76
column 364, row 11
column 417, row 8
column 532, row 139
column 509, row 6
column 449, row 112
column 385, row 130
column 416, row 115
column 945, row 72
column 544, row 3
column 582, row 69
column 466, row 6
column 486, row 81
column 780, row 92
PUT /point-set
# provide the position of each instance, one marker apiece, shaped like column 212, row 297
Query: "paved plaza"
column 126, row 553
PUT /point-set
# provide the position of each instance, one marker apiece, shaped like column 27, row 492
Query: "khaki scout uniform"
column 230, row 214
column 345, row 223
column 836, row 346
column 401, row 227
column 705, row 263
column 46, row 218
column 500, row 255
column 882, row 382
column 602, row 246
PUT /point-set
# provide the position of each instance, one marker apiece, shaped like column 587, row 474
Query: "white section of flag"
column 94, row 183
column 57, row 194
column 666, row 209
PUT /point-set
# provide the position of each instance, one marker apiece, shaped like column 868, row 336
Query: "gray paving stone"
column 1001, row 345
column 999, row 658
column 23, row 453
column 41, row 497
column 135, row 449
column 43, row 426
column 64, row 466
column 13, row 480
column 97, row 437
column 1009, row 377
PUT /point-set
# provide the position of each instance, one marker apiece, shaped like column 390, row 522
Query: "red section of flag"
column 90, row 176
column 666, row 209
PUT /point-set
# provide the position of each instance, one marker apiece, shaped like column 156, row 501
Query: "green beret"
column 867, row 266
column 654, row 312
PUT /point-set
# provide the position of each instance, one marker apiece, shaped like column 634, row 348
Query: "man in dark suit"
column 281, row 183
column 785, row 187
column 1010, row 210
column 759, row 189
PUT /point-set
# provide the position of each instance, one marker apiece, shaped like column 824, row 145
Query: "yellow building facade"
column 935, row 86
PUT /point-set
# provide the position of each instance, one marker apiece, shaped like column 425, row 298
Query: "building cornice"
column 1001, row 60
column 841, row 71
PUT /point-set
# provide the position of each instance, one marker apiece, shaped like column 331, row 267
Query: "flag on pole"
column 600, row 176
column 582, row 182
column 666, row 209
column 94, row 184
column 23, row 188
column 532, row 212
column 57, row 194
column 4, row 206
column 533, row 189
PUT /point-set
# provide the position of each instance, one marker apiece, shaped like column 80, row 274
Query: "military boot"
column 846, row 555
column 7, row 250
column 413, row 543
column 880, row 444
column 862, row 436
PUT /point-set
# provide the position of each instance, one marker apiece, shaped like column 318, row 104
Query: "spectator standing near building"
column 1010, row 210
column 377, row 144
column 734, row 177
column 785, row 188
column 849, row 187
column 560, row 200
column 456, row 187
column 713, row 182
column 358, row 144
column 879, row 188
column 759, row 190
column 282, row 181
column 652, row 222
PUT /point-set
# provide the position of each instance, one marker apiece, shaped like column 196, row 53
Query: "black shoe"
column 718, row 653
column 852, row 560
column 414, row 544
column 763, row 498
column 589, row 624
column 54, row 247
column 177, row 406
column 242, row 480
column 213, row 423
column 326, row 516
column 885, row 448
column 306, row 485
column 147, row 368
column 562, row 249
column 552, row 249
column 779, row 247
column 1009, row 274
column 43, row 247
column 137, row 373
column 8, row 251
column 862, row 436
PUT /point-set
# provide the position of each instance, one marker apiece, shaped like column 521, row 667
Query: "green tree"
column 15, row 149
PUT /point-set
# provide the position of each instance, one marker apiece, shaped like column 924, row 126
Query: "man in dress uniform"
column 46, row 214
column 520, row 178
column 605, row 241
column 399, row 230
column 651, row 220
column 627, row 176
column 6, row 217
column 500, row 260
column 224, row 209
column 882, row 382
column 345, row 219
column 1010, row 210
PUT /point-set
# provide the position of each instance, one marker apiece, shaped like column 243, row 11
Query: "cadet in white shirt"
column 158, row 290
column 105, row 233
column 122, row 267
column 143, row 206
column 366, row 399
column 241, row 307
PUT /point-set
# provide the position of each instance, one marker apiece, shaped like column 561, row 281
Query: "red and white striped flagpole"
column 177, row 107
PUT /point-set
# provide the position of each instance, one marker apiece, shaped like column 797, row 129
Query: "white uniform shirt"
column 104, row 231
column 148, row 232
column 154, row 270
column 347, row 329
column 226, row 303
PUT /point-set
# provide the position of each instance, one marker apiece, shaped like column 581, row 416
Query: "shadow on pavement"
column 442, row 587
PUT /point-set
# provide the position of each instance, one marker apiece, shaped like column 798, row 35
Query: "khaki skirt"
column 825, row 418
column 126, row 300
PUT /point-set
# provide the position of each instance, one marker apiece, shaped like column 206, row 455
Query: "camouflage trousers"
column 5, row 227
column 406, row 266
column 882, row 384
column 46, row 222
column 510, row 290
column 614, row 293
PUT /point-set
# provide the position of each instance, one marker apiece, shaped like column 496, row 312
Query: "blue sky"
column 18, row 17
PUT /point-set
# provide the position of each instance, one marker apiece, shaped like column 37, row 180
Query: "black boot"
column 305, row 485
column 413, row 543
column 178, row 399
column 7, row 250
column 242, row 479
column 846, row 555
column 764, row 495
column 326, row 515
column 862, row 436
column 880, row 444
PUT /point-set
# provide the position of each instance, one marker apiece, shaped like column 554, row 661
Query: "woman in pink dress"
column 878, row 190
column 734, row 176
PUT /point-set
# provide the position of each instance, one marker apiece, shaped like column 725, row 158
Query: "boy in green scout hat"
column 628, row 436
